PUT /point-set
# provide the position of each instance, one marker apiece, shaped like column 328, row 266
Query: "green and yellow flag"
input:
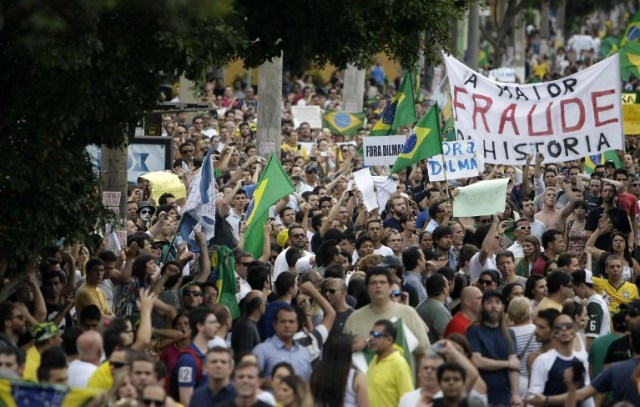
column 632, row 33
column 224, row 262
column 609, row 45
column 272, row 185
column 343, row 123
column 423, row 142
column 630, row 60
column 401, row 111
column 591, row 161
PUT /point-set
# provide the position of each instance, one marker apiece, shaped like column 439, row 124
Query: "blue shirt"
column 490, row 343
column 204, row 397
column 422, row 218
column 187, row 369
column 617, row 379
column 265, row 324
column 273, row 351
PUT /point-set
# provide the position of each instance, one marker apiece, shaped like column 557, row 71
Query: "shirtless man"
column 555, row 218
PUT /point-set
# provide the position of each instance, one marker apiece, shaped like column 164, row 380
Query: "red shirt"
column 457, row 325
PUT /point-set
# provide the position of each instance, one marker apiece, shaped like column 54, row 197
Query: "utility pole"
column 270, row 107
column 473, row 37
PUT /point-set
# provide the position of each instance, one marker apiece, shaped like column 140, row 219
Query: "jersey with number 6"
column 599, row 318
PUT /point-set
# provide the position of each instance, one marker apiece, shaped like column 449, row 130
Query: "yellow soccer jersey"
column 624, row 294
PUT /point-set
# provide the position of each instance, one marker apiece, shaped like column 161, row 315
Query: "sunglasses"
column 563, row 325
column 376, row 334
column 485, row 282
column 396, row 293
column 117, row 365
column 245, row 263
column 150, row 402
column 523, row 228
column 191, row 293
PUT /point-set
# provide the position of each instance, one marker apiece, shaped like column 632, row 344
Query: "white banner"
column 460, row 161
column 382, row 150
column 567, row 119
column 309, row 114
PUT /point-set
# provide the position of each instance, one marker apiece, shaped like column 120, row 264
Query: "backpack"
column 173, row 388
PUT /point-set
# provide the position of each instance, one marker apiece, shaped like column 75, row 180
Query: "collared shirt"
column 413, row 279
column 273, row 351
column 244, row 288
column 205, row 397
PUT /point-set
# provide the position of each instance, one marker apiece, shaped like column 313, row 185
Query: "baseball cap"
column 391, row 261
column 633, row 308
column 582, row 276
column 282, row 238
column 609, row 163
column 491, row 294
column 43, row 331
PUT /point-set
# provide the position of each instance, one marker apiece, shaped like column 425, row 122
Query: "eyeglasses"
column 635, row 185
column 330, row 291
column 485, row 282
column 117, row 365
column 186, row 151
column 191, row 293
column 396, row 293
column 563, row 325
column 152, row 402
column 523, row 228
column 376, row 334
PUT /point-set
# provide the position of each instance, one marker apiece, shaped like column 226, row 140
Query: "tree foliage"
column 79, row 72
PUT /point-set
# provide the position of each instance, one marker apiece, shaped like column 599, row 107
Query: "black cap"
column 492, row 293
column 632, row 308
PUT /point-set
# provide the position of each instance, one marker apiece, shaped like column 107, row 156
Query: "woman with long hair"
column 519, row 315
column 171, row 353
column 578, row 313
column 294, row 392
column 122, row 392
column 409, row 237
column 575, row 235
column 618, row 246
column 142, row 271
column 531, row 249
column 334, row 382
column 535, row 290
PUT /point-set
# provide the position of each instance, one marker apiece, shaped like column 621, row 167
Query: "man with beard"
column 543, row 333
column 397, row 208
column 495, row 353
column 617, row 217
column 297, row 238
column 442, row 240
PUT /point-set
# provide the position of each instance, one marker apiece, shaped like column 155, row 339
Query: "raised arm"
column 329, row 317
column 204, row 261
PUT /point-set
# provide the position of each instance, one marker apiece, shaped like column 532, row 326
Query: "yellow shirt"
column 31, row 365
column 388, row 380
column 286, row 148
column 624, row 294
column 91, row 296
column 547, row 303
column 101, row 378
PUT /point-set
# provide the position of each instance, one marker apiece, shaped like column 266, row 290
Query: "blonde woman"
column 519, row 315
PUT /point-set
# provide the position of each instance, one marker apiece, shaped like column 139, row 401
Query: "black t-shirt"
column 619, row 350
column 619, row 220
column 232, row 403
column 224, row 233
column 245, row 335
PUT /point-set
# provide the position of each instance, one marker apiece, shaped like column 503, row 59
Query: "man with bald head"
column 470, row 306
column 90, row 352
column 245, row 335
column 335, row 291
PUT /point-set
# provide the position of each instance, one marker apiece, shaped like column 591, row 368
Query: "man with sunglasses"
column 389, row 375
column 191, row 296
column 335, row 291
column 547, row 371
column 522, row 229
column 153, row 395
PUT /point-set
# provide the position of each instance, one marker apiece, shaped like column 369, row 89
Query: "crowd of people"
column 405, row 305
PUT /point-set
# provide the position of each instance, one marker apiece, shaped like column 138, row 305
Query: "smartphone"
column 578, row 372
column 299, row 146
column 350, row 193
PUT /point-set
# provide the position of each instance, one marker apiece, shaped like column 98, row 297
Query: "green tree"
column 80, row 72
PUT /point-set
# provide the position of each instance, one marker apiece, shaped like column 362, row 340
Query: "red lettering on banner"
column 581, row 118
column 481, row 109
column 549, row 130
column 509, row 116
column 597, row 109
column 457, row 104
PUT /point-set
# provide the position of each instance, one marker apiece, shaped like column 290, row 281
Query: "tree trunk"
column 544, row 20
column 269, row 107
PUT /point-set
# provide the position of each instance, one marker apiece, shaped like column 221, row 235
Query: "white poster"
column 567, row 119
column 382, row 150
column 460, row 161
column 309, row 114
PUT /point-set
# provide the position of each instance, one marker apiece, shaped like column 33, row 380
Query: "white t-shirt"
column 79, row 373
column 382, row 251
column 476, row 268
column 280, row 265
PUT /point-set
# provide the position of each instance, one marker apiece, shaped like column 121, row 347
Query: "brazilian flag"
column 450, row 129
column 591, row 161
column 423, row 142
column 15, row 393
column 609, row 46
column 630, row 60
column 223, row 261
column 401, row 111
column 343, row 123
column 272, row 185
column 632, row 33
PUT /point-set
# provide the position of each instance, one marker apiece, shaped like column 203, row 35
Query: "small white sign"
column 309, row 114
column 382, row 150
